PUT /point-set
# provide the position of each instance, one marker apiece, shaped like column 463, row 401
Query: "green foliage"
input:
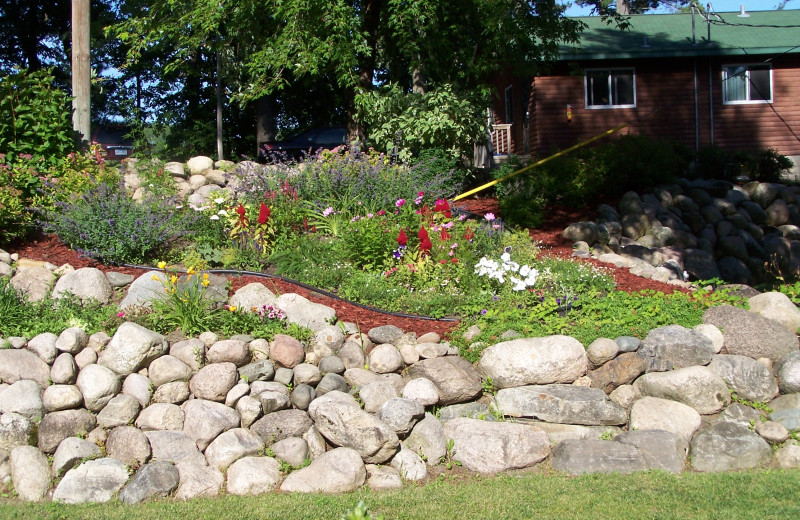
column 185, row 304
column 37, row 117
column 756, row 405
column 403, row 123
column 763, row 165
column 360, row 512
column 107, row 224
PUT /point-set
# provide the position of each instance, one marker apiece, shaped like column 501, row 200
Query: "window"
column 746, row 84
column 509, row 104
column 610, row 88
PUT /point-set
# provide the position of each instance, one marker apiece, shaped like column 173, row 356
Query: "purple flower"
column 483, row 312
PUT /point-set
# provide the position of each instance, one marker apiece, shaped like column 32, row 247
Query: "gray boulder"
column 167, row 369
column 213, row 382
column 777, row 306
column 421, row 390
column 94, row 481
column 728, row 446
column 15, row 430
column 253, row 296
column 129, row 445
column 385, row 334
column 671, row 347
column 292, row 450
column 87, row 284
column 131, row 348
column 44, row 346
column 155, row 480
column 328, row 341
column 23, row 397
column 788, row 372
column 382, row 478
column 427, row 439
column 23, row 364
column 71, row 452
column 253, row 476
column 408, row 464
column 343, row 423
column 749, row 334
column 198, row 480
column 628, row 452
column 790, row 418
column 385, row 358
column 30, row 473
column 492, row 447
column 337, row 471
column 697, row 387
column 565, row 404
column 98, row 385
column 33, row 282
column 401, row 414
column 140, row 387
column 375, row 394
column 161, row 416
column 57, row 426
column 205, row 420
column 229, row 351
column 174, row 446
column 279, row 425
column 305, row 313
column 258, row 371
column 788, row 456
column 146, row 288
column 532, row 361
column 454, row 377
column 231, row 446
column 122, row 409
column 653, row 413
column 191, row 351
column 747, row 377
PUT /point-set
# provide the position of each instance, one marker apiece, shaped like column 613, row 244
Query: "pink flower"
column 327, row 211
column 400, row 203
column 489, row 216
column 120, row 314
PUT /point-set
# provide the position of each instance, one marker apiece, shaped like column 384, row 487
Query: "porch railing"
column 501, row 139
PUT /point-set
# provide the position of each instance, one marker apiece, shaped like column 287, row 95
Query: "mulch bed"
column 50, row 249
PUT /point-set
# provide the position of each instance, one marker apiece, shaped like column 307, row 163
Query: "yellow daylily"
column 162, row 264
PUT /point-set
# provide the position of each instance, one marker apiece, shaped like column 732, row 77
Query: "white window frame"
column 748, row 101
column 508, row 100
column 611, row 71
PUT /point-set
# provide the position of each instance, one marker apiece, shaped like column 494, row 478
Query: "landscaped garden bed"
column 179, row 371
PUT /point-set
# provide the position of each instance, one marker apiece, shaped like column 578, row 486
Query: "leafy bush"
column 764, row 165
column 107, row 224
column 36, row 117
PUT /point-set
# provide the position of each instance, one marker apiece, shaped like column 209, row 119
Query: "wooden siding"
column 665, row 106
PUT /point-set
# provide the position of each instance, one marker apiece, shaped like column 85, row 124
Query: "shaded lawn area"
column 763, row 494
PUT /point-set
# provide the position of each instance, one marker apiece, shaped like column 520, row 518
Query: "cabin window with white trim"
column 742, row 84
column 509, row 98
column 610, row 88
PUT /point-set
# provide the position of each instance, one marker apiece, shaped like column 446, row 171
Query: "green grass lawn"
column 764, row 494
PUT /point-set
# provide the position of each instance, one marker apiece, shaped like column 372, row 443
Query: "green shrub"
column 764, row 165
column 36, row 117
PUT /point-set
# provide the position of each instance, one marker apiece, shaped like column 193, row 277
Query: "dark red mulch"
column 49, row 248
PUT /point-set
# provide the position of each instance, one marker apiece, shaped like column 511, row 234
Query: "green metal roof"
column 670, row 35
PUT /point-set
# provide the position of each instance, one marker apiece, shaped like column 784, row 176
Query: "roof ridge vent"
column 742, row 12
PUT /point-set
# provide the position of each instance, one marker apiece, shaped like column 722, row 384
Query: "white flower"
column 219, row 200
column 524, row 270
column 519, row 285
column 179, row 206
column 505, row 257
column 222, row 213
column 214, row 217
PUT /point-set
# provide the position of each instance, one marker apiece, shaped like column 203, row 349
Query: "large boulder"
column 253, row 476
column 454, row 377
column 492, row 447
column 777, row 306
column 621, row 370
column 98, row 384
column 788, row 372
column 205, row 420
column 23, row 397
column 94, row 481
column 87, row 284
column 57, row 426
column 697, row 387
column 277, row 426
column 728, row 446
column 628, row 452
column 653, row 413
column 534, row 361
column 23, row 364
column 231, row 446
column 565, row 404
column 30, row 473
column 155, row 480
column 131, row 348
column 747, row 377
column 671, row 347
column 749, row 334
column 213, row 382
column 305, row 313
column 337, row 471
column 341, row 420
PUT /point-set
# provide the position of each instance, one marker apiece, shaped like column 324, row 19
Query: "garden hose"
column 304, row 286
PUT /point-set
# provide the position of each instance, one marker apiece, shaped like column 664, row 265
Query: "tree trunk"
column 356, row 133
column 220, row 156
column 81, row 72
column 419, row 81
column 623, row 7
column 265, row 120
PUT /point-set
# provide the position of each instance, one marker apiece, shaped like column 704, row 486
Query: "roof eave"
column 688, row 53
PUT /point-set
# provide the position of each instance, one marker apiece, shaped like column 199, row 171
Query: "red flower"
column 454, row 260
column 444, row 235
column 469, row 234
column 402, row 239
column 242, row 215
column 442, row 206
column 263, row 214
column 442, row 261
column 424, row 241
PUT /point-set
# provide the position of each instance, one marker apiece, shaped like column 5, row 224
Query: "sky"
column 720, row 6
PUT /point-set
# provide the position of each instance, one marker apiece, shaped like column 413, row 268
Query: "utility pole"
column 81, row 73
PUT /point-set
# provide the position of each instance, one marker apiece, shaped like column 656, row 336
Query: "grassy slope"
column 652, row 495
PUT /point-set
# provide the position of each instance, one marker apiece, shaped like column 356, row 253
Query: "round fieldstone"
column 129, row 445
column 213, row 382
column 385, row 358
column 286, row 351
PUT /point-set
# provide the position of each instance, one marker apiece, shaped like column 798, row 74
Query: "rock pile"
column 197, row 179
column 705, row 229
column 136, row 416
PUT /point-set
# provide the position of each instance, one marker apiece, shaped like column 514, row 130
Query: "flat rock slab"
column 534, row 361
column 492, row 447
column 565, row 404
column 627, row 453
